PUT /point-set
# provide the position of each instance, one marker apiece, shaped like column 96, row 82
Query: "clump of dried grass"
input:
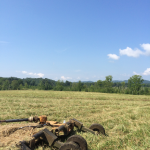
column 10, row 135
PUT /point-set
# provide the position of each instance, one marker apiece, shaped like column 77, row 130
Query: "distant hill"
column 87, row 81
column 53, row 82
column 116, row 81
column 126, row 81
column 146, row 82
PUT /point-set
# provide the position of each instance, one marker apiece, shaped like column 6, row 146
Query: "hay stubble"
column 126, row 118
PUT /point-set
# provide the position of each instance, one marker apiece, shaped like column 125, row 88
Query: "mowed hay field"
column 126, row 118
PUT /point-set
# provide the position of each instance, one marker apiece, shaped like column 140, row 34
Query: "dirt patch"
column 10, row 135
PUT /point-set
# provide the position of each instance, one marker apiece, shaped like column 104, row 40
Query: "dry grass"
column 126, row 118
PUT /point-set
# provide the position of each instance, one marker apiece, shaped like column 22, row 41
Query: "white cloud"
column 113, row 56
column 146, row 47
column 33, row 74
column 40, row 75
column 30, row 73
column 131, row 53
column 136, row 53
column 65, row 78
column 24, row 72
column 135, row 73
column 146, row 72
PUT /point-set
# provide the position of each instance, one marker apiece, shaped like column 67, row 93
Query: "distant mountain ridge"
column 87, row 81
column 115, row 81
column 126, row 81
column 38, row 80
column 146, row 81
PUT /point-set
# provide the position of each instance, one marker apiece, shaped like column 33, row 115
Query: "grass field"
column 126, row 118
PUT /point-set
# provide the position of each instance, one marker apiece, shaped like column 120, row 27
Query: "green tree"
column 42, row 85
column 14, row 85
column 20, row 81
column 20, row 86
column 91, row 88
column 74, row 86
column 146, row 91
column 99, row 83
column 26, row 85
column 123, row 85
column 108, row 78
column 32, row 82
column 108, row 83
column 67, row 83
column 84, row 86
column 5, row 85
column 59, row 85
column 80, row 85
column 47, row 85
column 135, row 83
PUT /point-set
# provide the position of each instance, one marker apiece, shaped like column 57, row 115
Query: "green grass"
column 126, row 118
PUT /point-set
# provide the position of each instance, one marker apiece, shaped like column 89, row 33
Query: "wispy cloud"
column 33, row 74
column 61, row 51
column 135, row 73
column 24, row 72
column 126, row 75
column 94, row 76
column 65, row 78
column 56, row 78
column 78, row 78
column 111, row 61
column 113, row 56
column 146, row 72
column 77, row 70
column 3, row 42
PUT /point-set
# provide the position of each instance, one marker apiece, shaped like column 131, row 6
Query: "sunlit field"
column 126, row 118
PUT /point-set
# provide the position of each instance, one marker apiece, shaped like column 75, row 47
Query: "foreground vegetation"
column 126, row 118
column 134, row 85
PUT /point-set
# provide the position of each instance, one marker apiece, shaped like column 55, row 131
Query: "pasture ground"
column 126, row 118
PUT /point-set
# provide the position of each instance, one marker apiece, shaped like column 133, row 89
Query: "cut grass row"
column 126, row 118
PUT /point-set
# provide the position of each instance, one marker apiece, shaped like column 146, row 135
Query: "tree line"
column 133, row 86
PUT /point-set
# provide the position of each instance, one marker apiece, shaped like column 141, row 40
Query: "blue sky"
column 75, row 39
